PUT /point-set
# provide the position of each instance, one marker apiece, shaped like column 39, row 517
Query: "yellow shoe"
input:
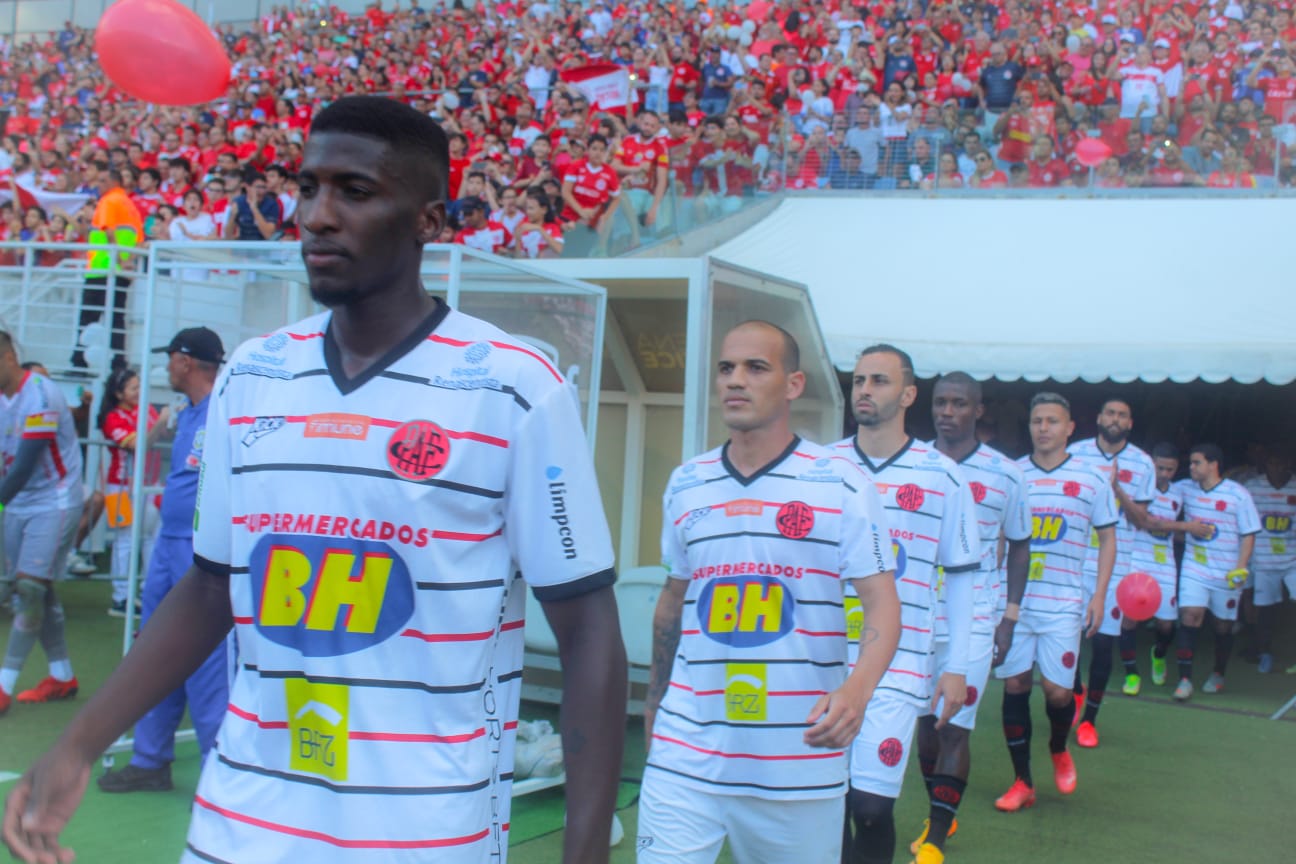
column 928, row 854
column 916, row 845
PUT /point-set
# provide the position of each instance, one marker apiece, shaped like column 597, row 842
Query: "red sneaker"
column 5, row 702
column 49, row 690
column 1018, row 797
column 1064, row 772
column 1087, row 735
column 1079, row 712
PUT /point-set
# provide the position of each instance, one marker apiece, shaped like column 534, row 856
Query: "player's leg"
column 677, row 823
column 1058, row 649
column 1100, row 667
column 877, row 766
column 1166, row 616
column 775, row 832
column 1128, row 645
column 119, row 568
column 41, row 542
column 1017, row 674
column 1193, row 597
column 1268, row 595
column 1224, row 606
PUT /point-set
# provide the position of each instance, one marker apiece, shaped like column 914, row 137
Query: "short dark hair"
column 419, row 141
column 1048, row 397
column 791, row 350
column 906, row 362
column 596, row 138
column 962, row 379
column 1209, row 452
column 1115, row 398
column 7, row 343
column 1165, row 450
column 676, row 115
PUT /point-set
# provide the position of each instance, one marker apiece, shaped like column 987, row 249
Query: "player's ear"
column 980, row 411
column 909, row 395
column 796, row 385
column 431, row 219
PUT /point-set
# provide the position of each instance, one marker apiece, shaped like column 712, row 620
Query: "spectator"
column 539, row 235
column 997, row 85
column 116, row 221
column 849, row 175
column 479, row 231
column 254, row 215
column 987, row 175
column 947, row 176
column 195, row 223
column 717, row 82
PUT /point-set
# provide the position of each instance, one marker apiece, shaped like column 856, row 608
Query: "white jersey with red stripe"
column 999, row 492
column 1138, row 480
column 1228, row 508
column 930, row 514
column 1066, row 503
column 39, row 412
column 1154, row 551
column 376, row 531
column 1275, row 547
column 763, row 633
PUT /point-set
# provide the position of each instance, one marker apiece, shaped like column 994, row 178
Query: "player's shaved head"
column 906, row 362
column 791, row 354
column 970, row 385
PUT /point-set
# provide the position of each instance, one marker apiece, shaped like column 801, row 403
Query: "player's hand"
column 1003, row 639
column 836, row 717
column 952, row 688
column 1115, row 474
column 41, row 804
column 1236, row 577
column 1200, row 530
column 1093, row 615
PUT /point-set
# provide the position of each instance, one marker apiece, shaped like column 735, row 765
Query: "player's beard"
column 881, row 414
column 1113, row 434
column 334, row 299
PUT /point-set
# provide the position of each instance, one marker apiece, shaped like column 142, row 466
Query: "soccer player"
column 1214, row 567
column 1153, row 551
column 195, row 355
column 367, row 546
column 1068, row 499
column 40, row 503
column 1273, row 563
column 999, row 491
column 932, row 520
column 1132, row 476
column 750, row 706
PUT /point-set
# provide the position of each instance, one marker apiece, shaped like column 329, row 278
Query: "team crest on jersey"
column 477, row 352
column 1221, row 506
column 890, row 752
column 978, row 491
column 795, row 519
column 910, row 497
column 329, row 596
column 1048, row 528
column 745, row 612
column 1071, row 489
column 1125, row 475
column 418, row 450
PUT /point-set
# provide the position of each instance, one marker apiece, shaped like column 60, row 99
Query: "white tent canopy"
column 1094, row 289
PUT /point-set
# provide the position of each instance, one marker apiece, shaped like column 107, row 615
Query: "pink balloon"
column 1091, row 152
column 161, row 52
column 1138, row 595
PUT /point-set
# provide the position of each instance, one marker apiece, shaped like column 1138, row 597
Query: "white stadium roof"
column 1092, row 289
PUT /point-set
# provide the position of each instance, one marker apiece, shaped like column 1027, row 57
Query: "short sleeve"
column 213, row 531
column 1105, row 513
column 1248, row 516
column 1017, row 524
column 1147, row 489
column 673, row 549
column 554, row 518
column 960, row 543
column 864, row 548
column 117, row 427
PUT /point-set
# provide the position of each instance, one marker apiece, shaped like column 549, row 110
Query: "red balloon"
column 1091, row 152
column 1139, row 596
column 161, row 52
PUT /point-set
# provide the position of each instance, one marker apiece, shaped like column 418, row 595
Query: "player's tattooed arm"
column 667, row 620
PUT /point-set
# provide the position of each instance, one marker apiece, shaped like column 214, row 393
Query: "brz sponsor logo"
column 261, row 427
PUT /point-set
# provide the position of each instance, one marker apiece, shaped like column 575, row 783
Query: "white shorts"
column 881, row 749
column 1169, row 608
column 980, row 655
column 1269, row 586
column 679, row 824
column 1222, row 602
column 1053, row 644
column 38, row 544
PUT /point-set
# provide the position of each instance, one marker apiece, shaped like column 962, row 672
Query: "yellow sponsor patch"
column 1200, row 556
column 1161, row 554
column 1036, row 571
column 319, row 723
column 1278, row 546
column 746, row 692
column 854, row 618
column 1093, row 539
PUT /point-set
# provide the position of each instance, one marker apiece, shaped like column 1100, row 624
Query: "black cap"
column 199, row 343
column 472, row 203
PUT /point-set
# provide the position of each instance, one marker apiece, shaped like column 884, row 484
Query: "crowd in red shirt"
column 727, row 102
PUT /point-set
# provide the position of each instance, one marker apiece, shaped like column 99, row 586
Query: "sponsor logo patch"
column 261, row 427
column 745, row 612
column 352, row 427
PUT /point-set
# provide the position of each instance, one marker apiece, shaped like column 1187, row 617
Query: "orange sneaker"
column 1064, row 772
column 1079, row 712
column 5, row 702
column 1018, row 797
column 1087, row 735
column 922, row 838
column 49, row 690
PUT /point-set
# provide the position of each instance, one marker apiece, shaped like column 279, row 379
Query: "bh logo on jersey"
column 327, row 596
column 745, row 612
column 1048, row 528
column 901, row 558
column 1276, row 523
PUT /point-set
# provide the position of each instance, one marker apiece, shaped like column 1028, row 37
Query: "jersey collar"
column 868, row 463
column 764, row 469
column 1040, row 467
column 333, row 358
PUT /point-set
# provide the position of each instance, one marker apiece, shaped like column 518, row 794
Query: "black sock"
column 1017, row 732
column 946, row 793
column 1264, row 628
column 927, row 767
column 1100, row 666
column 874, row 821
column 1223, row 650
column 1060, row 722
column 1078, row 688
column 1129, row 651
column 1162, row 647
column 1187, row 645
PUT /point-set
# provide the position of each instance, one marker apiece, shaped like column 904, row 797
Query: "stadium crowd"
column 728, row 102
